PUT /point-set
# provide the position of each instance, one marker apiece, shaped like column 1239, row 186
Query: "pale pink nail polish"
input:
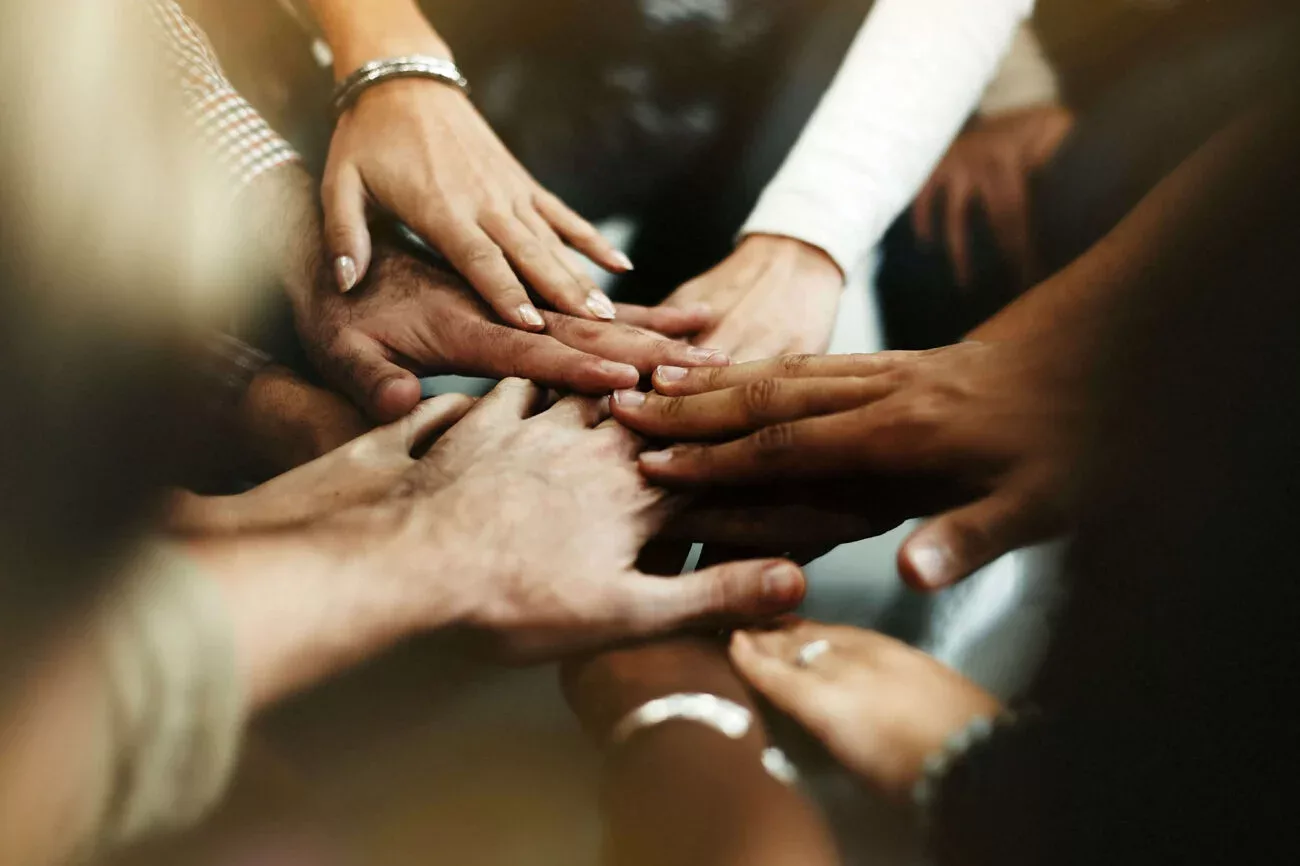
column 345, row 271
column 629, row 399
column 531, row 317
column 624, row 262
column 657, row 458
column 930, row 563
column 600, row 305
column 670, row 374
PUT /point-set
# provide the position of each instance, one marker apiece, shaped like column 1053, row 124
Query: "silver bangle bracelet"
column 378, row 71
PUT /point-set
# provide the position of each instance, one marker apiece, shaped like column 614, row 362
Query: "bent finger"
column 484, row 266
column 347, row 232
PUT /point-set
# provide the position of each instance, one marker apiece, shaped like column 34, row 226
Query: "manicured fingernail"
column 670, row 374
column 625, row 372
column 708, row 356
column 345, row 271
column 599, row 304
column 657, row 458
column 629, row 399
column 531, row 317
column 623, row 261
column 781, row 582
column 930, row 562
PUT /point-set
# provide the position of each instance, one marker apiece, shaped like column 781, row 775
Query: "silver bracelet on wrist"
column 410, row 66
column 726, row 717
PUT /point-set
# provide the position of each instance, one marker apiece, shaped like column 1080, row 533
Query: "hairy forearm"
column 360, row 32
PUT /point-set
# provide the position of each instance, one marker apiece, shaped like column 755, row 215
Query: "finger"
column 580, row 234
column 384, row 390
column 743, row 409
column 923, row 208
column 578, row 411
column 511, row 399
column 791, row 689
column 1008, row 209
column 482, row 263
column 501, row 351
column 432, row 417
column 347, row 233
column 541, row 267
column 669, row 321
column 953, row 545
column 735, row 591
column 861, row 440
column 957, row 209
column 595, row 302
column 677, row 382
column 617, row 342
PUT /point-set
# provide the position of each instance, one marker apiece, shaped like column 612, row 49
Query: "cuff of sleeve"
column 175, row 699
column 793, row 215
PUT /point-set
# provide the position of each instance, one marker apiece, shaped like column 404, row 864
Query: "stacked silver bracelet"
column 411, row 66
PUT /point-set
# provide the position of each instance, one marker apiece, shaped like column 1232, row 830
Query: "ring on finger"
column 809, row 652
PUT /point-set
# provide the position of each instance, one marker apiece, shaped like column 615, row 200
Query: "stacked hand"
column 988, row 428
column 992, row 164
column 410, row 318
column 880, row 706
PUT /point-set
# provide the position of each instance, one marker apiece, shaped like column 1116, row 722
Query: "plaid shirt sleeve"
column 239, row 138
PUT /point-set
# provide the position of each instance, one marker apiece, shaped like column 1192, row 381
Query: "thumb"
column 756, row 589
column 950, row 547
column 347, row 235
column 381, row 388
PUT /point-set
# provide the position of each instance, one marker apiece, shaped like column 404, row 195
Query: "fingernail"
column 781, row 582
column 930, row 562
column 345, row 271
column 709, row 356
column 531, row 317
column 670, row 374
column 625, row 372
column 657, row 458
column 623, row 261
column 601, row 305
column 629, row 399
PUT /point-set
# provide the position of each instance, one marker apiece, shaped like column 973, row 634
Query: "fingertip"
column 600, row 306
column 784, row 585
column 619, row 376
column 667, row 377
column 396, row 396
column 345, row 273
column 621, row 262
column 926, row 564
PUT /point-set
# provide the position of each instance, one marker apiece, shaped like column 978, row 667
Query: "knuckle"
column 477, row 253
column 671, row 407
column 758, row 397
column 794, row 364
column 775, row 439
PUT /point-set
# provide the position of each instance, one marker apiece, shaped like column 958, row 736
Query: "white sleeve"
column 912, row 77
column 1024, row 79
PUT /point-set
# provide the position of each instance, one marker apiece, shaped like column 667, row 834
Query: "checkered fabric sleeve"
column 230, row 128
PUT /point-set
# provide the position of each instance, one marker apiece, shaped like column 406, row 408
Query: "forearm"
column 361, row 32
column 306, row 605
column 1076, row 307
column 910, row 80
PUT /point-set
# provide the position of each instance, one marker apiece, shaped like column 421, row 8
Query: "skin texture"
column 880, row 706
column 774, row 296
column 456, row 543
column 979, row 426
column 412, row 318
column 991, row 166
column 420, row 150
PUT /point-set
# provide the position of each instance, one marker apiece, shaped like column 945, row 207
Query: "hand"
column 419, row 150
column 990, row 426
column 543, row 517
column 992, row 164
column 411, row 317
column 880, row 706
column 775, row 296
column 361, row 471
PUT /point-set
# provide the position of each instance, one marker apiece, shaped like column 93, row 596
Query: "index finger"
column 678, row 382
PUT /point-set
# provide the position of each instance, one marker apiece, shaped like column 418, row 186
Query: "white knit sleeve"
column 914, row 74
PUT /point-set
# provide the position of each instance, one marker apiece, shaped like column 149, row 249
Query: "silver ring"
column 809, row 652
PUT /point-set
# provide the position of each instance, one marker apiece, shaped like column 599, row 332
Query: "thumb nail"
column 782, row 583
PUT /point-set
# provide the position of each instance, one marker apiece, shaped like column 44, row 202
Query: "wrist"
column 808, row 263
